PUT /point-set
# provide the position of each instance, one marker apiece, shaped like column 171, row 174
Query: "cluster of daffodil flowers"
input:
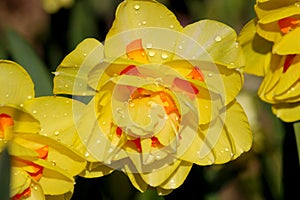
column 163, row 97
column 38, row 134
column 271, row 45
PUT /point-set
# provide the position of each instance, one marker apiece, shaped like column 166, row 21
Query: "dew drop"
column 164, row 56
column 292, row 89
column 103, row 123
column 53, row 163
column 66, row 85
column 171, row 26
column 86, row 154
column 218, row 38
column 144, row 22
column 226, row 149
column 136, row 7
column 65, row 114
column 148, row 45
column 139, row 24
column 67, row 101
column 29, row 97
column 35, row 187
column 151, row 53
column 84, row 94
column 210, row 75
column 180, row 47
column 297, row 4
column 84, row 54
column 56, row 73
column 56, row 133
column 34, row 111
column 21, row 105
column 98, row 141
column 131, row 105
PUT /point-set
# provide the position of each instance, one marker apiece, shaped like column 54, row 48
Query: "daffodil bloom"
column 271, row 45
column 52, row 6
column 38, row 133
column 163, row 96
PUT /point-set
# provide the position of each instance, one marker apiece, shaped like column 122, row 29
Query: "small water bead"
column 66, row 85
column 7, row 95
column 84, row 54
column 29, row 97
column 87, row 154
column 164, row 56
column 148, row 45
column 226, row 149
column 218, row 38
column 35, row 187
column 21, row 105
column 144, row 22
column 151, row 53
column 171, row 26
column 297, row 4
column 53, row 163
column 56, row 133
column 34, row 111
column 98, row 141
column 56, row 73
column 131, row 104
column 136, row 7
column 210, row 75
column 180, row 47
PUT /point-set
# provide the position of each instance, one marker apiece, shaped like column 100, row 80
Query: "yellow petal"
column 36, row 192
column 178, row 176
column 16, row 84
column 66, row 196
column 289, row 44
column 148, row 21
column 23, row 121
column 257, row 50
column 54, row 183
column 57, row 116
column 96, row 169
column 270, row 31
column 136, row 180
column 59, row 155
column 133, row 14
column 223, row 140
column 71, row 76
column 20, row 181
column 209, row 40
column 160, row 175
column 288, row 112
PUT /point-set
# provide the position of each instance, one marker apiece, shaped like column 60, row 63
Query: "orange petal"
column 196, row 74
column 5, row 121
column 135, row 51
column 288, row 61
column 288, row 24
column 25, row 193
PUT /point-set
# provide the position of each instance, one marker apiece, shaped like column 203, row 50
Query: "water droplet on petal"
column 86, row 154
column 131, row 105
column 297, row 4
column 7, row 95
column 218, row 38
column 34, row 111
column 53, row 163
column 171, row 26
column 66, row 85
column 56, row 73
column 136, row 7
column 180, row 47
column 98, row 141
column 84, row 54
column 21, row 105
column 151, row 53
column 56, row 133
column 164, row 56
column 35, row 187
column 144, row 22
column 226, row 149
column 148, row 45
column 210, row 75
column 67, row 101
column 29, row 97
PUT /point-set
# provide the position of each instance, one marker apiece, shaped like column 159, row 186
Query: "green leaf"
column 23, row 53
column 297, row 135
column 4, row 175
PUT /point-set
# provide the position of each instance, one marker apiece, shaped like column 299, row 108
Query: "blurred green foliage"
column 256, row 175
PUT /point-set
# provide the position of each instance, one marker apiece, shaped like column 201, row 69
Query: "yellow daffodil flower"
column 163, row 96
column 52, row 6
column 271, row 45
column 38, row 133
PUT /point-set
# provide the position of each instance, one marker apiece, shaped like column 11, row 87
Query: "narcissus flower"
column 52, row 6
column 271, row 43
column 163, row 96
column 38, row 133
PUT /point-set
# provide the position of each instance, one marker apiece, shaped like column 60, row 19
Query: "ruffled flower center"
column 6, row 123
column 288, row 24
